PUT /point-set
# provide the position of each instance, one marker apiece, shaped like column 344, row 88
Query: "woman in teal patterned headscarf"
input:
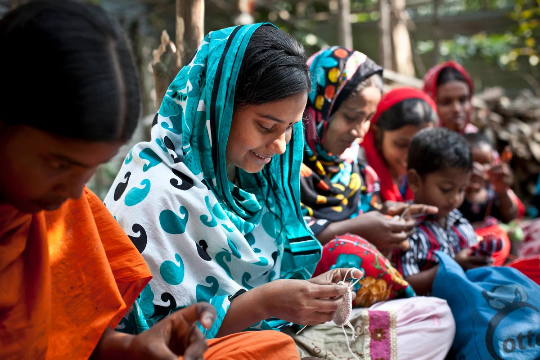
column 213, row 202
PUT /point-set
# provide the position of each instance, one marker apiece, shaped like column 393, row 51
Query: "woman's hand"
column 385, row 232
column 310, row 302
column 176, row 335
column 467, row 261
column 501, row 177
column 393, row 208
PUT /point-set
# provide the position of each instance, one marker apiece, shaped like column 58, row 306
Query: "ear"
column 414, row 180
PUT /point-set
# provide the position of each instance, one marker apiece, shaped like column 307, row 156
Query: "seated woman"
column 340, row 201
column 336, row 184
column 400, row 115
column 451, row 87
column 216, row 191
column 68, row 272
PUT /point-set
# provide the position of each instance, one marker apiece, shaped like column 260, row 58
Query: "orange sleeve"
column 128, row 267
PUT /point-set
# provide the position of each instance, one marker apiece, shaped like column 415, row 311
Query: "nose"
column 279, row 145
column 455, row 200
column 73, row 187
column 456, row 106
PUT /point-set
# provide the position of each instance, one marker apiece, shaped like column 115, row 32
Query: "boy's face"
column 444, row 189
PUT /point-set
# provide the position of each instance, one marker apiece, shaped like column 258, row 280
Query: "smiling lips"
column 261, row 159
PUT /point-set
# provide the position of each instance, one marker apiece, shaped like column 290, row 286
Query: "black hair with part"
column 449, row 74
column 438, row 149
column 66, row 69
column 477, row 139
column 413, row 111
column 273, row 68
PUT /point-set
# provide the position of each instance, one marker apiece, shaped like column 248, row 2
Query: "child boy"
column 439, row 167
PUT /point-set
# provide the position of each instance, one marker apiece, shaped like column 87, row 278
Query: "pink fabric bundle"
column 420, row 321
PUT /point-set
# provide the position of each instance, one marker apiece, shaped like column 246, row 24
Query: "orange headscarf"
column 389, row 191
column 65, row 276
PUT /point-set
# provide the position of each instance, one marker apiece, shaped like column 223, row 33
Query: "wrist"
column 264, row 297
column 113, row 344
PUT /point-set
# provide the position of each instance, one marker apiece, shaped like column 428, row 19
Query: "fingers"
column 351, row 273
column 327, row 291
column 417, row 209
column 401, row 225
column 202, row 312
column 479, row 260
column 329, row 305
column 197, row 345
column 394, row 208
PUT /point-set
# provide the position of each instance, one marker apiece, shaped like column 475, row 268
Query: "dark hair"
column 476, row 139
column 273, row 68
column 438, row 149
column 407, row 112
column 449, row 74
column 66, row 69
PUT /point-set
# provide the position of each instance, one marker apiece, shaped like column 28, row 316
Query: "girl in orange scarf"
column 68, row 272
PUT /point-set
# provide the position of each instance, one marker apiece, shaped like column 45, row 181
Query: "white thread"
column 341, row 318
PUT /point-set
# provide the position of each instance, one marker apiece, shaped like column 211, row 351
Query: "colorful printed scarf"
column 330, row 183
column 389, row 191
column 203, row 237
column 431, row 77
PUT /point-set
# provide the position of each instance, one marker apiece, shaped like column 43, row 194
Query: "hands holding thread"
column 308, row 302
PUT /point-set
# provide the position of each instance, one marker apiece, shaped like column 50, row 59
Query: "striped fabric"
column 490, row 244
column 429, row 236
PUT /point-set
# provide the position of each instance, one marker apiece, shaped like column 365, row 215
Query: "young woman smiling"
column 217, row 191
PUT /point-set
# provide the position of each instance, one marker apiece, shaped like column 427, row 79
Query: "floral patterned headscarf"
column 330, row 183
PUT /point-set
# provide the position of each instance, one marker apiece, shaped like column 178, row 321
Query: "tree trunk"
column 385, row 36
column 164, row 66
column 189, row 29
column 436, row 32
column 401, row 41
column 168, row 57
column 344, row 24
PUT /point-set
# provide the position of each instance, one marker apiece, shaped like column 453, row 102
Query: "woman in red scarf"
column 451, row 87
column 400, row 114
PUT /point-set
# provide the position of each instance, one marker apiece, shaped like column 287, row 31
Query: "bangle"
column 237, row 294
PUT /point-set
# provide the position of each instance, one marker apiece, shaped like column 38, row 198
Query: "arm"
column 507, row 208
column 244, row 311
column 423, row 281
column 306, row 302
column 502, row 178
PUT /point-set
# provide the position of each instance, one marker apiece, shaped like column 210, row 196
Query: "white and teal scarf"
column 203, row 237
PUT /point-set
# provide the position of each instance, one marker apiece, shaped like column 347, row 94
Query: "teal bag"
column 496, row 309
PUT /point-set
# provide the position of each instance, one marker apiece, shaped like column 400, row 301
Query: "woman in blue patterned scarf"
column 213, row 200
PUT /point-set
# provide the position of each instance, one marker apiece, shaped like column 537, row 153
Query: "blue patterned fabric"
column 205, row 238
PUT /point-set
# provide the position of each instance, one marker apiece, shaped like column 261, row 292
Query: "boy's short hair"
column 433, row 150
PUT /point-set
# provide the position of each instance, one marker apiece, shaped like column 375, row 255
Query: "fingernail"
column 208, row 319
